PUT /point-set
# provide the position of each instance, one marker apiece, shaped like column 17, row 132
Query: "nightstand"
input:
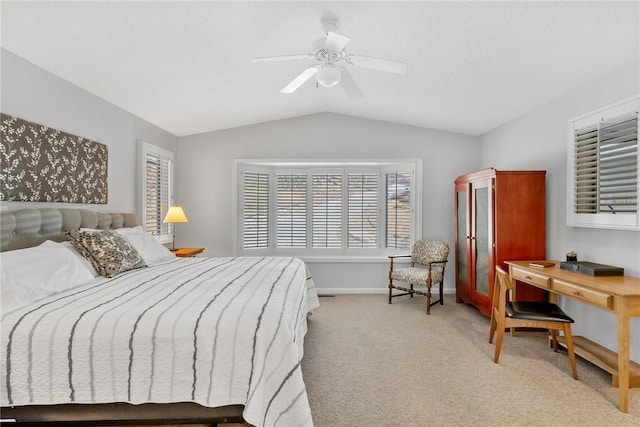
column 185, row 252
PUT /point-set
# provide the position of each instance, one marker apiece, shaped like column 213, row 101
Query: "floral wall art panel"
column 41, row 164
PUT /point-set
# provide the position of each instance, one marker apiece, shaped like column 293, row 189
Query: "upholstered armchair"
column 428, row 260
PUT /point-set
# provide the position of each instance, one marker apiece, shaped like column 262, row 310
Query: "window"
column 326, row 209
column 157, row 183
column 603, row 168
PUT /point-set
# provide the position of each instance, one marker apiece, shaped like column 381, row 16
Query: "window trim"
column 329, row 255
column 599, row 220
column 145, row 148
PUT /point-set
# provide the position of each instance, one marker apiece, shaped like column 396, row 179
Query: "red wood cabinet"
column 500, row 216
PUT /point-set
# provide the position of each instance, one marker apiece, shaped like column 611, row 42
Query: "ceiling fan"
column 332, row 59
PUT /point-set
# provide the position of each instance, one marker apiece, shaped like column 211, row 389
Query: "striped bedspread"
column 215, row 331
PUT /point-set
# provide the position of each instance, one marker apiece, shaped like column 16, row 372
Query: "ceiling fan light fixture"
column 329, row 26
column 332, row 62
column 328, row 75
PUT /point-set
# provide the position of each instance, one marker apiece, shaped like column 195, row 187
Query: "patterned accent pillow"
column 106, row 250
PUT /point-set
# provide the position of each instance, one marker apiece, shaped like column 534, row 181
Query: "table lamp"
column 175, row 214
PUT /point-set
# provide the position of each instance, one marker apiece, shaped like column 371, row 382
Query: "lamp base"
column 173, row 242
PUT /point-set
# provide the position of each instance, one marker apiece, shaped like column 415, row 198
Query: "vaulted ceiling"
column 186, row 66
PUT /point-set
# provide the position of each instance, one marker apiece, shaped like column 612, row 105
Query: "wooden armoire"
column 500, row 216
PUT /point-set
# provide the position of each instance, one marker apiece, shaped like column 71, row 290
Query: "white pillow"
column 67, row 244
column 150, row 250
column 34, row 273
column 11, row 296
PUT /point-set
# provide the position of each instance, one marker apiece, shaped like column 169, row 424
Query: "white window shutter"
column 618, row 151
column 586, row 178
column 327, row 210
column 399, row 206
column 362, row 199
column 291, row 227
column 157, row 192
column 255, row 210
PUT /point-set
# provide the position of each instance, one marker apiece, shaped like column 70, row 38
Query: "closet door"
column 463, row 243
column 482, row 242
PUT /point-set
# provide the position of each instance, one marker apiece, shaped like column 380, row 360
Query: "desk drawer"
column 531, row 278
column 590, row 296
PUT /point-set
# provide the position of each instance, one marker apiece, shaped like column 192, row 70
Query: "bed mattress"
column 214, row 331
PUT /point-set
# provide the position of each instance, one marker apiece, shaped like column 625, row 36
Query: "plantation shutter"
column 327, row 210
column 157, row 192
column 586, row 180
column 606, row 166
column 362, row 199
column 291, row 210
column 618, row 191
column 398, row 204
column 255, row 210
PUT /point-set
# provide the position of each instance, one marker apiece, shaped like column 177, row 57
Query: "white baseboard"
column 337, row 291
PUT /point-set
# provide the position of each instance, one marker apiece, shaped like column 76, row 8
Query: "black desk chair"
column 527, row 314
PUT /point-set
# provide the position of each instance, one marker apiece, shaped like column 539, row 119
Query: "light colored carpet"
column 368, row 363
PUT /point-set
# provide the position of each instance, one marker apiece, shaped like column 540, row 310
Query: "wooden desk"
column 617, row 294
column 185, row 252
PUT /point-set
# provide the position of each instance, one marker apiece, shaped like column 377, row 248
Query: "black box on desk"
column 591, row 268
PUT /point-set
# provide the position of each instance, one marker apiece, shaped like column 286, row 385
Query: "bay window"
column 326, row 209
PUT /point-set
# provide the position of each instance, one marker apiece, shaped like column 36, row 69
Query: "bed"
column 184, row 340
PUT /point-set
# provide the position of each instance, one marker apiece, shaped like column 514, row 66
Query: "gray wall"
column 538, row 140
column 36, row 95
column 204, row 177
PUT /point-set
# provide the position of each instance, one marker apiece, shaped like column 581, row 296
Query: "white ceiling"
column 186, row 66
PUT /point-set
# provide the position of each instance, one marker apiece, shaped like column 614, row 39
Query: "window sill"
column 374, row 259
column 605, row 221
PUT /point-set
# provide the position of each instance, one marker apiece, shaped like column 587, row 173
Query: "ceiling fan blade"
column 335, row 41
column 377, row 64
column 283, row 58
column 349, row 85
column 298, row 81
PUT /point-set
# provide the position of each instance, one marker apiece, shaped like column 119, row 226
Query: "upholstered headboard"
column 29, row 227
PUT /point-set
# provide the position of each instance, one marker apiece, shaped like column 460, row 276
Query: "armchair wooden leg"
column 441, row 292
column 390, row 288
column 429, row 300
column 411, row 293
